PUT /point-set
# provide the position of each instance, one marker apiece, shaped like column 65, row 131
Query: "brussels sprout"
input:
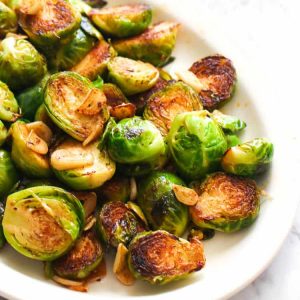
column 9, row 108
column 8, row 174
column 163, row 106
column 228, row 123
column 250, row 158
column 80, row 261
column 197, row 143
column 30, row 143
column 42, row 222
column 201, row 234
column 132, row 76
column 96, row 3
column 155, row 45
column 81, row 6
column 226, row 202
column 2, row 238
column 218, row 77
column 117, row 224
column 30, row 99
column 52, row 24
column 89, row 28
column 3, row 133
column 8, row 20
column 95, row 62
column 81, row 168
column 232, row 140
column 137, row 146
column 160, row 257
column 114, row 95
column 76, row 106
column 42, row 115
column 123, row 20
column 21, row 65
column 159, row 204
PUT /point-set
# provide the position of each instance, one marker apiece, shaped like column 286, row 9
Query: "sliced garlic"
column 42, row 130
column 185, row 195
column 191, row 79
column 93, row 103
column 36, row 144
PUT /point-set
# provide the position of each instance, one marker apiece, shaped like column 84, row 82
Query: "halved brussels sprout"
column 159, row 204
column 8, row 174
column 160, row 257
column 250, row 158
column 197, row 143
column 9, row 108
column 96, row 3
column 232, row 140
column 42, row 115
column 2, row 238
column 81, row 6
column 226, row 202
column 21, row 65
column 81, row 168
column 123, row 20
column 155, row 45
column 30, row 145
column 132, row 76
column 228, row 123
column 8, row 20
column 95, row 62
column 80, row 261
column 3, row 133
column 202, row 234
column 53, row 22
column 42, row 222
column 137, row 146
column 116, row 223
column 164, row 105
column 76, row 106
column 218, row 77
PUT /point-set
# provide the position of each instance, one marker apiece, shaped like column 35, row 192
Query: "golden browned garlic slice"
column 185, row 195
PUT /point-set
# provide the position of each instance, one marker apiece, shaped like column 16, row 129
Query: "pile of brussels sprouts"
column 103, row 149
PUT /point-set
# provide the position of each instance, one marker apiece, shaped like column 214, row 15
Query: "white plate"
column 232, row 260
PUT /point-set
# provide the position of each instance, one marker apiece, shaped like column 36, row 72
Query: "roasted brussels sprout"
column 8, row 174
column 31, row 98
column 163, row 106
column 137, row 146
column 81, row 6
column 160, row 257
column 8, row 20
column 9, row 108
column 155, row 45
column 123, row 20
column 3, row 133
column 226, row 202
column 81, row 168
column 159, row 204
column 95, row 62
column 232, row 140
column 2, row 238
column 80, row 261
column 42, row 115
column 132, row 76
column 250, row 158
column 42, row 222
column 96, row 3
column 197, row 143
column 21, row 65
column 76, row 106
column 228, row 123
column 51, row 24
column 202, row 234
column 30, row 145
column 116, row 223
column 218, row 77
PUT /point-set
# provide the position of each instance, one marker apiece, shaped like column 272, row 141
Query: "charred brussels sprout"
column 228, row 123
column 217, row 77
column 197, row 143
column 9, row 108
column 137, row 146
column 226, row 202
column 250, row 158
column 21, row 65
column 113, row 95
column 160, row 257
column 159, row 203
column 8, row 20
column 116, row 223
column 3, row 133
column 30, row 145
column 2, row 238
column 155, row 45
column 8, row 174
column 163, row 106
column 123, row 20
column 80, row 261
column 76, row 106
column 81, row 168
column 42, row 222
column 132, row 76
column 53, row 23
column 95, row 62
